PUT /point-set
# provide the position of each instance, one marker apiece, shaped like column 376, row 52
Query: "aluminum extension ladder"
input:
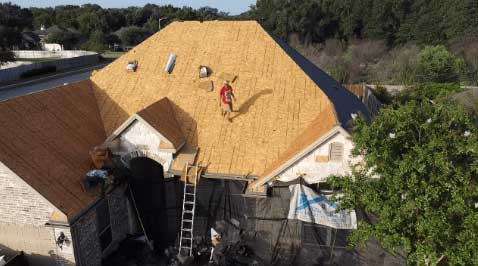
column 189, row 206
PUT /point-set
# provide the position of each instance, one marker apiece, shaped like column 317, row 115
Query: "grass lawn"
column 35, row 60
column 111, row 54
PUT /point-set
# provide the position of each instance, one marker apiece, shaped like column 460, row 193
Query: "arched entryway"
column 148, row 187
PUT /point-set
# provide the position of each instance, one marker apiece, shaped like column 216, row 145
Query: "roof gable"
column 161, row 117
column 157, row 119
column 45, row 138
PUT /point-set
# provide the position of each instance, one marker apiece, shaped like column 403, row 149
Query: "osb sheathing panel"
column 276, row 100
column 45, row 138
column 322, row 125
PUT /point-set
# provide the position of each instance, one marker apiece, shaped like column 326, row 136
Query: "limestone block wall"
column 20, row 203
column 23, row 215
column 317, row 167
column 140, row 137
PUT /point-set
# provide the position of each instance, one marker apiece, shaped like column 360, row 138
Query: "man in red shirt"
column 225, row 100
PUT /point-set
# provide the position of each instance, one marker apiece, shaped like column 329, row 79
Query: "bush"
column 38, row 71
column 466, row 47
column 400, row 67
column 6, row 56
column 431, row 91
column 361, row 56
column 383, row 95
column 436, row 64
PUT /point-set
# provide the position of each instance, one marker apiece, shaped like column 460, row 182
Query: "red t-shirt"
column 226, row 94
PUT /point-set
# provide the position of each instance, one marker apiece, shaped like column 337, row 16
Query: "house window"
column 104, row 225
column 336, row 152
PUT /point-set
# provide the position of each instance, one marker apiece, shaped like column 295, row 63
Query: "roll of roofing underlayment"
column 170, row 65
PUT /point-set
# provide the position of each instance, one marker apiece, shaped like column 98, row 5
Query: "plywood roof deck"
column 276, row 100
column 284, row 103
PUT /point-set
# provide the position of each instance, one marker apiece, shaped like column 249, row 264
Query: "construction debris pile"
column 106, row 173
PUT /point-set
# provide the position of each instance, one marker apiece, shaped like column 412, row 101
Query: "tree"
column 432, row 91
column 467, row 48
column 13, row 20
column 436, row 64
column 112, row 39
column 65, row 16
column 96, row 42
column 152, row 25
column 92, row 20
column 6, row 56
column 133, row 36
column 417, row 179
column 115, row 19
column 43, row 17
column 65, row 38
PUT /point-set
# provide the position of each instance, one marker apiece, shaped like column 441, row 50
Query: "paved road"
column 14, row 90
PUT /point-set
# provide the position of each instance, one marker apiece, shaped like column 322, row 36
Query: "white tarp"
column 308, row 206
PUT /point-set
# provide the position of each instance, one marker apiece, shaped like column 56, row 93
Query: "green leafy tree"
column 97, row 42
column 65, row 38
column 6, row 56
column 431, row 91
column 115, row 19
column 152, row 25
column 417, row 179
column 13, row 20
column 92, row 20
column 65, row 16
column 437, row 64
column 43, row 17
column 133, row 36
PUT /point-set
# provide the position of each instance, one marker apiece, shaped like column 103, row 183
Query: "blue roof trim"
column 345, row 102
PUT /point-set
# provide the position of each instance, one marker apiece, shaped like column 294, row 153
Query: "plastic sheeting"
column 266, row 231
column 308, row 206
column 261, row 225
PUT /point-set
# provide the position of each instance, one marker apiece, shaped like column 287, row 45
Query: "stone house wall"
column 23, row 216
column 85, row 240
column 141, row 137
column 119, row 217
column 20, row 203
column 86, row 233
